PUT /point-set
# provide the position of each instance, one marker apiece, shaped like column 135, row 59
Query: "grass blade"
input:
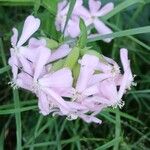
column 128, row 32
column 18, row 119
column 117, row 130
column 109, row 144
column 122, row 6
column 71, row 7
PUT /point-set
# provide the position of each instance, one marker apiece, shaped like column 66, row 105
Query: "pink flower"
column 82, row 92
column 72, row 28
column 49, row 87
column 111, row 89
column 90, row 17
column 96, row 11
column 36, row 50
column 16, row 60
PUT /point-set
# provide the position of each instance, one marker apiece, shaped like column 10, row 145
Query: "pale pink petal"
column 88, row 66
column 58, row 100
column 43, row 103
column 76, row 106
column 61, row 5
column 73, row 29
column 105, row 9
column 24, row 81
column 102, row 29
column 90, row 119
column 61, row 52
column 59, row 79
column 82, row 12
column 108, row 90
column 96, row 78
column 35, row 43
column 78, row 3
column 109, row 60
column 31, row 25
column 29, row 53
column 94, row 5
column 14, row 63
column 91, row 90
column 26, row 66
column 95, row 103
column 41, row 59
column 127, row 78
column 14, row 37
column 104, row 67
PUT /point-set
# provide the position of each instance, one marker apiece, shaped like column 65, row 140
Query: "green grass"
column 22, row 127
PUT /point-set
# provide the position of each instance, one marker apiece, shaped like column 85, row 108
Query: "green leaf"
column 83, row 34
column 72, row 58
column 50, row 5
column 37, row 4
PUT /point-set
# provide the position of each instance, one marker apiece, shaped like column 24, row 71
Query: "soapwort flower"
column 90, row 16
column 16, row 60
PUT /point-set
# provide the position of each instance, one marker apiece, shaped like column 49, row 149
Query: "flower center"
column 36, row 86
column 115, row 70
column 76, row 96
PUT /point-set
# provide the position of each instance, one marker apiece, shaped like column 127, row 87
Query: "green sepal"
column 83, row 34
column 58, row 65
column 76, row 71
column 72, row 58
column 52, row 44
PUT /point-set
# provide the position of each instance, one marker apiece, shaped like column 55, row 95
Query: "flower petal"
column 43, row 103
column 108, row 90
column 105, row 10
column 61, row 52
column 41, row 59
column 127, row 78
column 59, row 79
column 73, row 29
column 96, row 78
column 102, row 29
column 58, row 100
column 26, row 66
column 94, row 5
column 14, row 37
column 35, row 43
column 29, row 53
column 24, row 81
column 31, row 25
column 14, row 63
column 90, row 119
column 88, row 66
column 91, row 90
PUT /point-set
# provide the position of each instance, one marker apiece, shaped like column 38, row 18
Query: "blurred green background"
column 21, row 125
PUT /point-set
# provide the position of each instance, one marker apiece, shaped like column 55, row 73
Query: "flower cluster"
column 90, row 17
column 99, row 83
